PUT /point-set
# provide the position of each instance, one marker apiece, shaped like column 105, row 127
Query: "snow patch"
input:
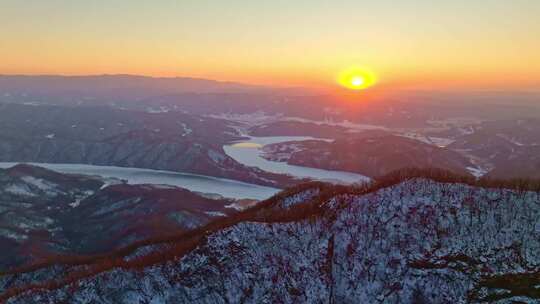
column 215, row 213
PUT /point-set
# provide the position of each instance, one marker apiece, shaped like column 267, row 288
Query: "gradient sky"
column 414, row 43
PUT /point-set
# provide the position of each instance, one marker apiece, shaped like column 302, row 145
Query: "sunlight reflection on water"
column 250, row 145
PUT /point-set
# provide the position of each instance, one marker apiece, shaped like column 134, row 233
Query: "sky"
column 479, row 44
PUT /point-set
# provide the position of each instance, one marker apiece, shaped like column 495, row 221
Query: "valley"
column 160, row 124
column 144, row 192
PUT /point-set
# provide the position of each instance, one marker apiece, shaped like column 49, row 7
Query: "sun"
column 357, row 78
column 357, row 81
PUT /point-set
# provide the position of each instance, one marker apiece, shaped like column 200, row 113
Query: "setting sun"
column 357, row 78
column 357, row 81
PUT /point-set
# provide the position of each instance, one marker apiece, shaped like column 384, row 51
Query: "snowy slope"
column 417, row 241
column 44, row 213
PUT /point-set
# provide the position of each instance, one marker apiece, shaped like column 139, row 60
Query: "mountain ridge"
column 317, row 203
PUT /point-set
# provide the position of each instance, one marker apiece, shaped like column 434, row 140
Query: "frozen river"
column 249, row 153
column 200, row 183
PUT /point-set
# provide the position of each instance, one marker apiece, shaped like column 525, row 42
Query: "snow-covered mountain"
column 44, row 213
column 411, row 238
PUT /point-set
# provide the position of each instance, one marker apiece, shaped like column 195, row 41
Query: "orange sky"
column 488, row 44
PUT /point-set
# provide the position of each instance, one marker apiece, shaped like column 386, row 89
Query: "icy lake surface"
column 200, row 183
column 249, row 153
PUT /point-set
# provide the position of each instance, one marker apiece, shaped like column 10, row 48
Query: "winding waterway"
column 249, row 153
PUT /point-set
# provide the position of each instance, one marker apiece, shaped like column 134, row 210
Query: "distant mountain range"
column 104, row 84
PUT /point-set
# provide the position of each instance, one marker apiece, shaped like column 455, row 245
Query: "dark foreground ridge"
column 413, row 236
